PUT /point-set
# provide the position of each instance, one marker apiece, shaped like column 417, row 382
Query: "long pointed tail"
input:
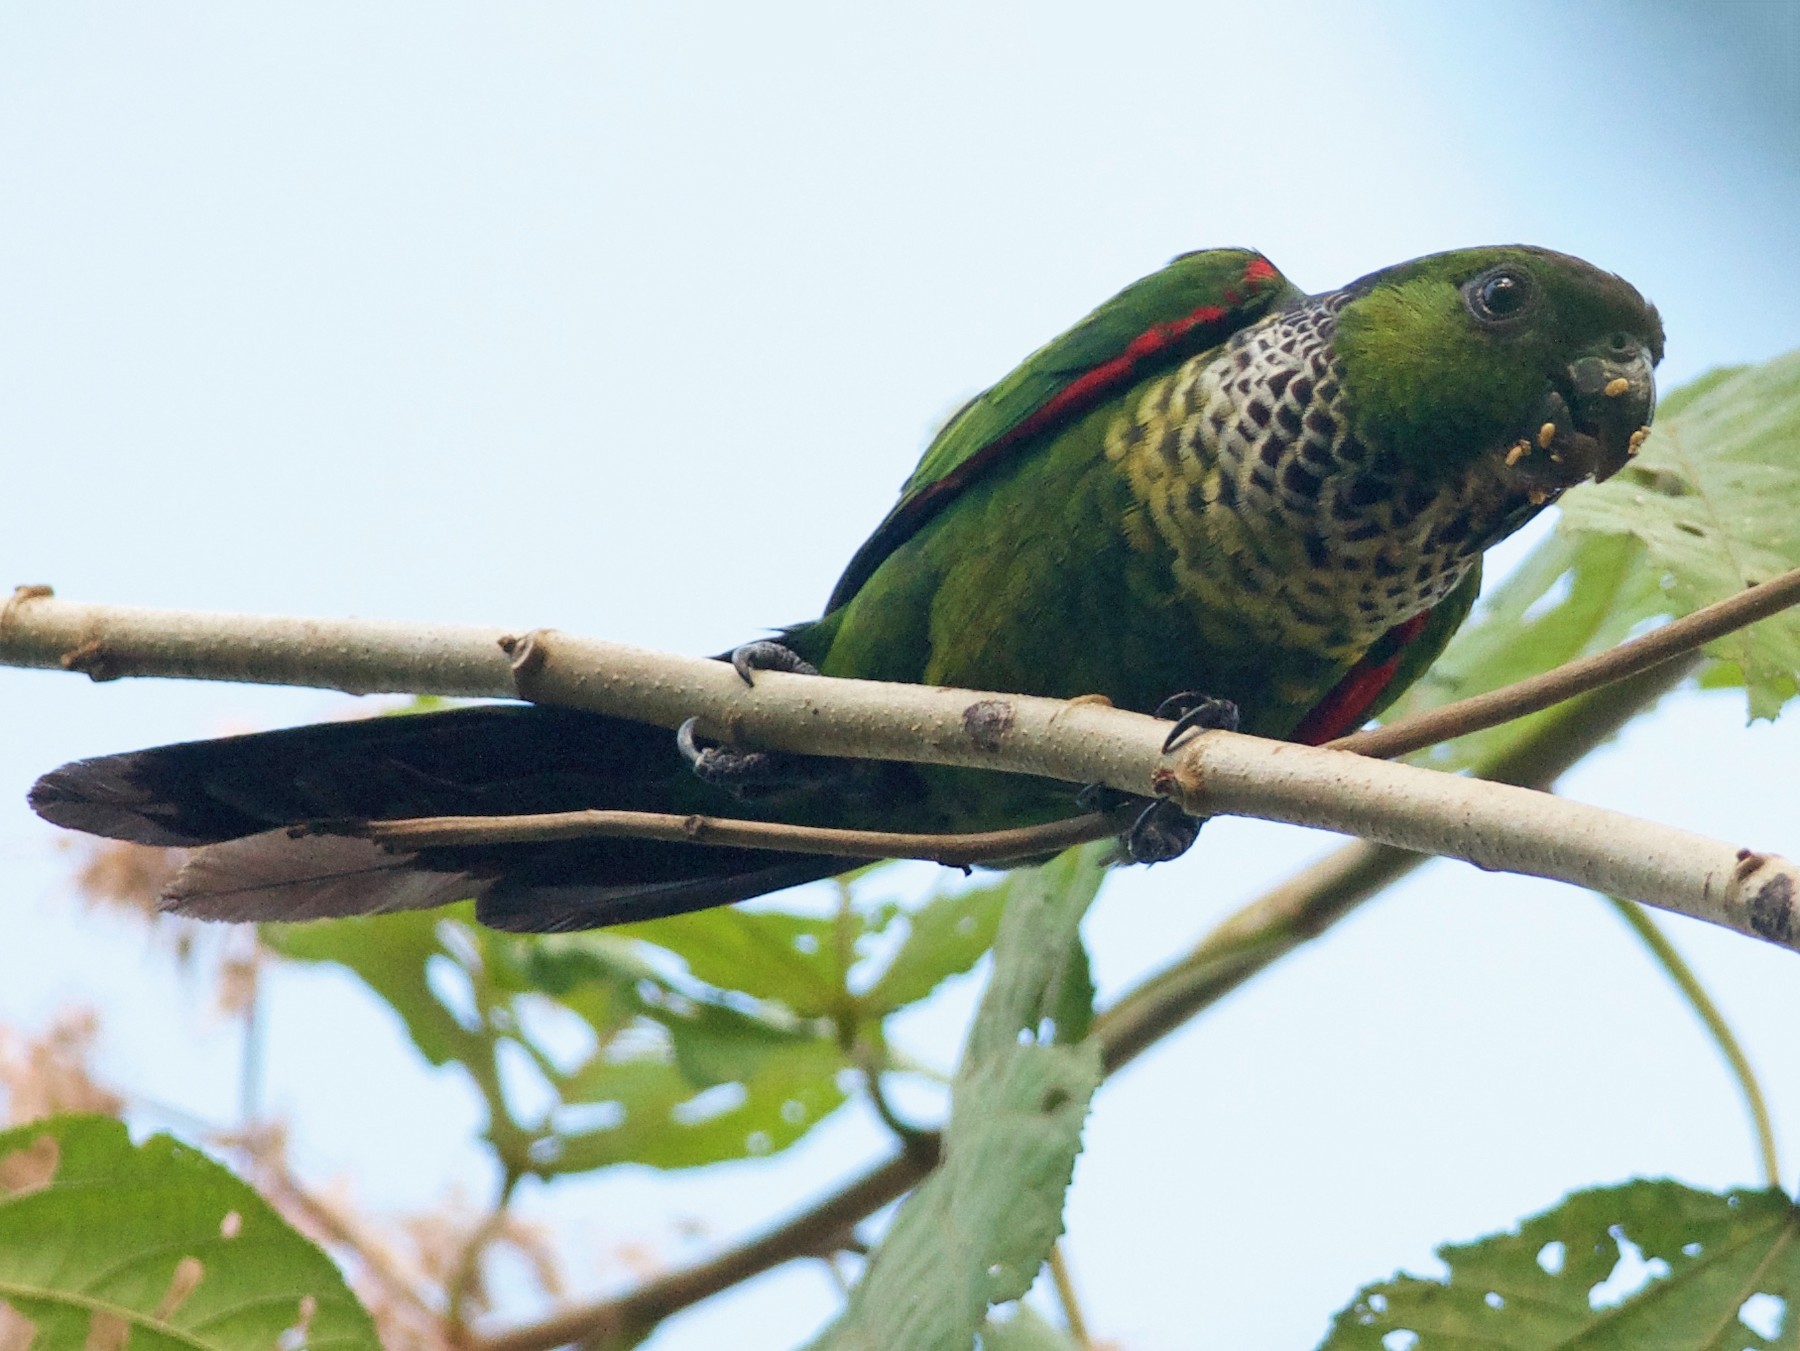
column 234, row 800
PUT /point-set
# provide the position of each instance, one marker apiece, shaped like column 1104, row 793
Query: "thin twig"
column 955, row 850
column 816, row 1229
column 1677, row 969
column 1065, row 1296
column 287, row 1194
column 1672, row 640
column 465, row 1278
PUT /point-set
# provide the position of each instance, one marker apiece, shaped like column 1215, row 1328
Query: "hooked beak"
column 1591, row 422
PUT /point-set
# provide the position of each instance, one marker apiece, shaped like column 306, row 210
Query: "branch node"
column 1771, row 910
column 528, row 656
column 91, row 660
column 1748, row 861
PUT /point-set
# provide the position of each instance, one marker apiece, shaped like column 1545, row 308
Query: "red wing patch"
column 1195, row 329
column 1258, row 271
column 1347, row 706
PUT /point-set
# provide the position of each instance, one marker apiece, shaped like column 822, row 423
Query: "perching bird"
column 1212, row 483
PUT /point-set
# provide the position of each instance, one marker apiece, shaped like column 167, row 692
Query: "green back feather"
column 1196, row 302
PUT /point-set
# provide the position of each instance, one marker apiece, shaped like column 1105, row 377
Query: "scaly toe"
column 768, row 655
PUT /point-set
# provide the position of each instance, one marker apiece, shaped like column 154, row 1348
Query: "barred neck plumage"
column 1279, row 519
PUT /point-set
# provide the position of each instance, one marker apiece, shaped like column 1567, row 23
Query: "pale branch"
column 1671, row 643
column 1673, row 640
column 1240, row 948
column 1491, row 825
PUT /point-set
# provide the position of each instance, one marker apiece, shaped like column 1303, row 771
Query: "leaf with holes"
column 679, row 1075
column 155, row 1247
column 945, row 936
column 1648, row 1266
column 392, row 955
column 795, row 960
column 651, row 1110
column 977, row 1232
column 1714, row 499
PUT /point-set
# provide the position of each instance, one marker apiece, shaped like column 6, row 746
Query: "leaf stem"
column 1065, row 1296
column 1677, row 969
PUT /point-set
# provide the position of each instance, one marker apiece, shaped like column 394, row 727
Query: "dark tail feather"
column 524, row 907
column 236, row 796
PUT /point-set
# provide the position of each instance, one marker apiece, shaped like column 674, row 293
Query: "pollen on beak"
column 1612, row 395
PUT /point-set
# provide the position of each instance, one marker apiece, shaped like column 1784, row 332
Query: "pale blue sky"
column 631, row 320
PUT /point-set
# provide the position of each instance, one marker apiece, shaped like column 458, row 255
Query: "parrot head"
column 1532, row 357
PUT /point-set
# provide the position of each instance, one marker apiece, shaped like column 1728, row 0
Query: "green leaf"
column 946, row 936
column 1715, row 501
column 1721, row 1269
column 391, row 954
column 677, row 1079
column 657, row 1114
column 98, row 1237
column 978, row 1230
column 600, row 979
column 1026, row 1330
column 777, row 955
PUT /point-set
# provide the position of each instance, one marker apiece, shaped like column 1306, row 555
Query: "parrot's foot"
column 767, row 655
column 748, row 774
column 1194, row 711
column 745, row 774
column 1162, row 832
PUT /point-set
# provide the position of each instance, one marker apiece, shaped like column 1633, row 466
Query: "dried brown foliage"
column 49, row 1073
column 128, row 876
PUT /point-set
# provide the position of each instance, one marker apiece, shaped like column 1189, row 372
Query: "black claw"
column 740, row 773
column 768, row 655
column 685, row 743
column 1162, row 832
column 1194, row 711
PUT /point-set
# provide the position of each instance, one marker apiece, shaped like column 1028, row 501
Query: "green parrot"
column 1216, row 497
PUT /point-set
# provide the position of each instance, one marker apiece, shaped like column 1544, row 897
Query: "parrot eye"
column 1497, row 296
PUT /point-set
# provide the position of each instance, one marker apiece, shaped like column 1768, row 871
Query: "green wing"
column 1194, row 303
